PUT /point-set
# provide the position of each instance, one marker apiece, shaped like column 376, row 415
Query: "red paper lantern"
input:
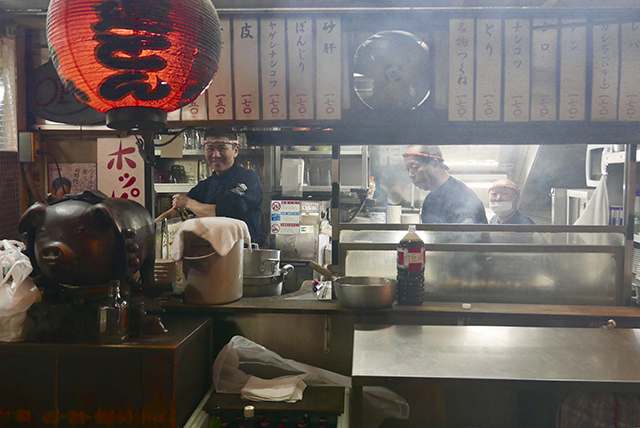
column 136, row 60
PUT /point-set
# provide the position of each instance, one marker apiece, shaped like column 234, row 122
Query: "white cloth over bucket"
column 212, row 260
column 241, row 358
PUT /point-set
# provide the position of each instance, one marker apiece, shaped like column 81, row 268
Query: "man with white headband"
column 504, row 196
column 449, row 200
column 230, row 191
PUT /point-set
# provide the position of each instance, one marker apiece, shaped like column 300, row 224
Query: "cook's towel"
column 284, row 388
column 221, row 232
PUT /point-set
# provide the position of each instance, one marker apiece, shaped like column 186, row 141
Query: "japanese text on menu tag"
column 573, row 39
column 245, row 69
column 544, row 47
column 488, row 69
column 461, row 69
column 328, row 69
column 274, row 69
column 604, row 89
column 219, row 93
column 300, row 67
column 629, row 103
column 517, row 69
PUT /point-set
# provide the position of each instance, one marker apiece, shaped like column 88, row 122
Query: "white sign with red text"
column 120, row 169
column 219, row 92
column 285, row 217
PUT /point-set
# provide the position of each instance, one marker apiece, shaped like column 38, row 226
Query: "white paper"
column 629, row 108
column 120, row 168
column 196, row 109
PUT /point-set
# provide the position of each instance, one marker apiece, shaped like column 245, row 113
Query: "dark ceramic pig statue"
column 89, row 239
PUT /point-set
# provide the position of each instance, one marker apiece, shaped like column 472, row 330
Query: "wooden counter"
column 153, row 381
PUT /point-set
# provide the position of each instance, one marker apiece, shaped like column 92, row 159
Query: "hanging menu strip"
column 544, row 51
column 604, row 90
column 629, row 108
column 274, row 69
column 300, row 67
column 573, row 57
column 488, row 69
column 245, row 69
column 328, row 69
column 461, row 69
column 517, row 69
column 196, row 109
column 219, row 92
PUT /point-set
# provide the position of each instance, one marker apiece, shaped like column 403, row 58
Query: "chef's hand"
column 181, row 202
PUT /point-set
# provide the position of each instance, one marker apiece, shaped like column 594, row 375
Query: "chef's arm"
column 198, row 208
column 170, row 213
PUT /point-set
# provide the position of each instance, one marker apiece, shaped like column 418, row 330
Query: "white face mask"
column 502, row 209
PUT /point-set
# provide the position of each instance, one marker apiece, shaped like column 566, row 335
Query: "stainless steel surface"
column 257, row 262
column 497, row 353
column 630, row 184
column 365, row 292
column 266, row 285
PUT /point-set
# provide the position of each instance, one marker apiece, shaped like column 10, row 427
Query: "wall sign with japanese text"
column 285, row 217
column 120, row 169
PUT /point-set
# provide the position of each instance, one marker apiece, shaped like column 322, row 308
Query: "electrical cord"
column 42, row 152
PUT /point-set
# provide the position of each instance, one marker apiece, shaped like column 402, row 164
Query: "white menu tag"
column 461, row 70
column 196, row 109
column 301, row 68
column 544, row 48
column 604, row 90
column 328, row 69
column 517, row 69
column 488, row 69
column 219, row 92
column 274, row 69
column 629, row 109
column 245, row 69
column 573, row 63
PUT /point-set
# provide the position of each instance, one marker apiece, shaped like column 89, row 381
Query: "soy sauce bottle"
column 411, row 261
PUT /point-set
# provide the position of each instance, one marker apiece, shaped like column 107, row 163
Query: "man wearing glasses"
column 449, row 200
column 230, row 191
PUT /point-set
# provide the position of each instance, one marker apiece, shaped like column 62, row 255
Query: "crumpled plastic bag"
column 242, row 358
column 17, row 291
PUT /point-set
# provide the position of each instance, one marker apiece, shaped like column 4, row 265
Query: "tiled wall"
column 9, row 195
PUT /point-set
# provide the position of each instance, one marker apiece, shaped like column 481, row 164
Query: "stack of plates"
column 165, row 272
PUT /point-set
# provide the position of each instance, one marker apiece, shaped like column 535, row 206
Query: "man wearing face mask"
column 230, row 191
column 504, row 196
column 449, row 200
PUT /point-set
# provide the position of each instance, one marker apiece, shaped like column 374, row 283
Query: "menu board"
column 517, row 69
column 488, row 69
column 301, row 68
column 461, row 69
column 274, row 69
column 544, row 50
column 604, row 89
column 173, row 115
column 328, row 69
column 196, row 109
column 629, row 109
column 573, row 61
column 245, row 69
column 219, row 92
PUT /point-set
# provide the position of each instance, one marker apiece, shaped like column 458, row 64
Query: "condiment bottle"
column 411, row 261
column 214, row 417
column 113, row 316
column 249, row 417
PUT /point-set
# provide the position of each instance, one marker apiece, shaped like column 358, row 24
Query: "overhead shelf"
column 617, row 157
